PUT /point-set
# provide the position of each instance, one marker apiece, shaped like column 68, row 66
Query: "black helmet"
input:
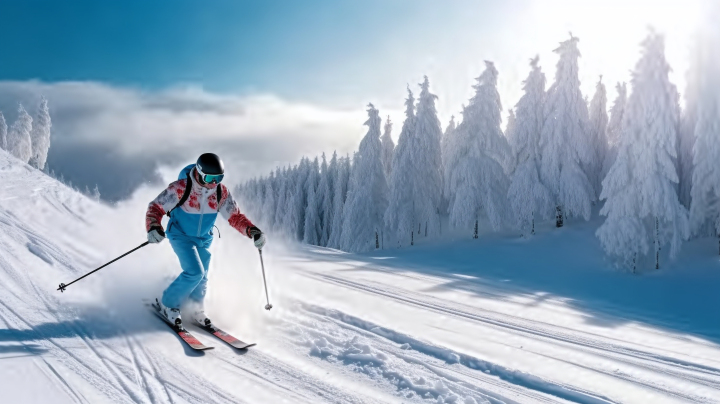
column 210, row 168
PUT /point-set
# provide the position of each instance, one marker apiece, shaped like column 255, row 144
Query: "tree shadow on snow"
column 568, row 267
column 95, row 323
column 20, row 350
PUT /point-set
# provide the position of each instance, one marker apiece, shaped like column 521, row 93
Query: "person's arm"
column 161, row 205
column 231, row 212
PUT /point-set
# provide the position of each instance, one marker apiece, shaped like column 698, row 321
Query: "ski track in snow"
column 93, row 357
column 692, row 372
column 632, row 355
column 121, row 367
column 418, row 371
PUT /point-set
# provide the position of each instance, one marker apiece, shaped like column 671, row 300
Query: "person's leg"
column 192, row 274
column 198, row 295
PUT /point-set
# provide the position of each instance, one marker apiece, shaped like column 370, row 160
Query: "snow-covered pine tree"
column 598, row 136
column 400, row 215
column 614, row 129
column 642, row 206
column 281, row 204
column 19, row 142
column 342, row 180
column 477, row 183
column 327, row 185
column 96, row 193
column 40, row 135
column 322, row 190
column 269, row 202
column 368, row 193
column 312, row 227
column 688, row 122
column 294, row 218
column 446, row 144
column 256, row 199
column 509, row 135
column 3, row 132
column 427, row 181
column 529, row 199
column 416, row 189
column 388, row 147
column 564, row 143
column 301, row 194
column 705, row 206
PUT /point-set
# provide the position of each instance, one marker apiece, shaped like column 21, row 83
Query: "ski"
column 224, row 336
column 184, row 334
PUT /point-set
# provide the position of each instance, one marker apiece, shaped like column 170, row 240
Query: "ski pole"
column 268, row 306
column 63, row 286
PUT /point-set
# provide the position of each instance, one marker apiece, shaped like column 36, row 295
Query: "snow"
column 499, row 319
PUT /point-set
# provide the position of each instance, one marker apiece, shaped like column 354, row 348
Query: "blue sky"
column 137, row 83
column 298, row 49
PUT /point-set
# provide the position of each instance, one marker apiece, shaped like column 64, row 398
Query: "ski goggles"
column 210, row 178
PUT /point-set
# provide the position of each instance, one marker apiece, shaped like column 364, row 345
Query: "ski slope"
column 494, row 320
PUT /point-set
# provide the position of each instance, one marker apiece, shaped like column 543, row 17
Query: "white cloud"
column 142, row 129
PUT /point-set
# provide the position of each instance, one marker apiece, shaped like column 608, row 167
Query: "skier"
column 192, row 203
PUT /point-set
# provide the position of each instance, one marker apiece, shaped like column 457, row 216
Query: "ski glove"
column 258, row 236
column 156, row 234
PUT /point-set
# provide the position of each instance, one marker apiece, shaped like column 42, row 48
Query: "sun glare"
column 610, row 32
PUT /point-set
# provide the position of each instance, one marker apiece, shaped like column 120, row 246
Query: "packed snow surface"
column 500, row 319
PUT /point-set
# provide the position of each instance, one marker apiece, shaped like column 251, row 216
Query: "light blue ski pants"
column 194, row 256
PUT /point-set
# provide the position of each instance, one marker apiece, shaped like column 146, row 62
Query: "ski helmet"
column 210, row 168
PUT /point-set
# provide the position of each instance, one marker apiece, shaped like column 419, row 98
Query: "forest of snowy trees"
column 648, row 166
column 28, row 139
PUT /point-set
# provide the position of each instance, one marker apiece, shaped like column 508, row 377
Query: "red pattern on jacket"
column 170, row 197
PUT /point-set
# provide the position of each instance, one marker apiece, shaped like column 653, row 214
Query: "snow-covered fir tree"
column 688, row 122
column 322, row 189
column 642, row 205
column 509, row 135
column 342, row 180
column 294, row 218
column 417, row 203
column 477, row 184
column 564, row 142
column 401, row 215
column 445, row 146
column 388, row 147
column 3, row 132
column 282, row 199
column 19, row 141
column 368, row 191
column 257, row 197
column 301, row 193
column 312, row 227
column 446, row 141
column 529, row 199
column 40, row 135
column 614, row 129
column 429, row 157
column 705, row 206
column 269, row 202
column 327, row 190
column 598, row 136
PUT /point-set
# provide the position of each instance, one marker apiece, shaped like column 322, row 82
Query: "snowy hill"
column 493, row 320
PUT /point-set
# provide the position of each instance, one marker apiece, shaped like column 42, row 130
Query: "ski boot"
column 200, row 318
column 172, row 315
